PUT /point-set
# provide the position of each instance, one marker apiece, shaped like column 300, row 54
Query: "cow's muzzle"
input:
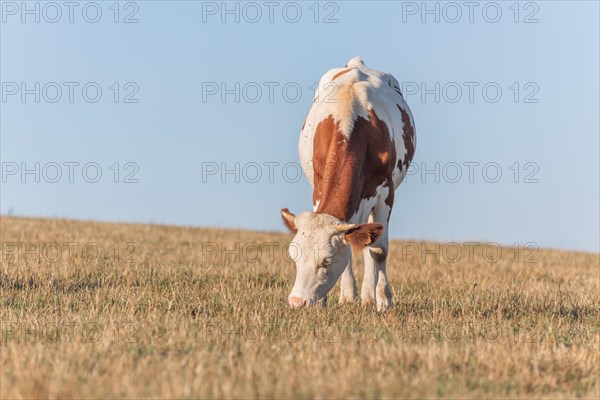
column 296, row 302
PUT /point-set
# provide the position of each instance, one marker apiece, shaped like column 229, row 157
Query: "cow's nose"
column 296, row 302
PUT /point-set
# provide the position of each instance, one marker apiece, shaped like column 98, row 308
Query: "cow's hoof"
column 323, row 302
column 347, row 299
column 384, row 304
column 367, row 301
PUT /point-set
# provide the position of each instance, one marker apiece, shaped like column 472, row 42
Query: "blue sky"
column 497, row 89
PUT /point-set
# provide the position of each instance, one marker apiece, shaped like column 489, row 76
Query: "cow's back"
column 352, row 94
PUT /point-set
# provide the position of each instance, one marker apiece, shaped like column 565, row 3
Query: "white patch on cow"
column 316, row 205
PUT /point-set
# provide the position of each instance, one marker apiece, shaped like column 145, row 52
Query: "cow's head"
column 321, row 251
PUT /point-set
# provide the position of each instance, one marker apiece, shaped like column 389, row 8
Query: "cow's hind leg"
column 375, row 256
column 367, row 290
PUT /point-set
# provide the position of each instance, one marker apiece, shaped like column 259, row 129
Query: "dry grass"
column 173, row 321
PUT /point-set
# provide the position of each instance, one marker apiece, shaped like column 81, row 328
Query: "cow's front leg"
column 383, row 293
column 348, row 284
column 375, row 286
column 367, row 290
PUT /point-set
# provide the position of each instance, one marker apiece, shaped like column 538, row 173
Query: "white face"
column 321, row 256
column 321, row 251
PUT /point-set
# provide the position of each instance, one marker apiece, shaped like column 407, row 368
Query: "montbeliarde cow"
column 355, row 147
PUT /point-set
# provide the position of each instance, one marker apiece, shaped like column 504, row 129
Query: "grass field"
column 93, row 310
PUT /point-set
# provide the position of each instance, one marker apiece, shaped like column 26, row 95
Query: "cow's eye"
column 325, row 263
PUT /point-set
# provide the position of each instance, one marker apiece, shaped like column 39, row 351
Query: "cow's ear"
column 289, row 220
column 359, row 236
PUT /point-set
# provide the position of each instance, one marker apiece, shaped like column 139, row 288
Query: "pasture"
column 95, row 310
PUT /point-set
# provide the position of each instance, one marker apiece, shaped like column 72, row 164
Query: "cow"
column 355, row 147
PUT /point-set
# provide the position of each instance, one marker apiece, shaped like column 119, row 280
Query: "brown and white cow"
column 355, row 148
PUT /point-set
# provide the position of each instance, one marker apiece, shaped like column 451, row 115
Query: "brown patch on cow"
column 363, row 235
column 341, row 73
column 408, row 136
column 349, row 169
